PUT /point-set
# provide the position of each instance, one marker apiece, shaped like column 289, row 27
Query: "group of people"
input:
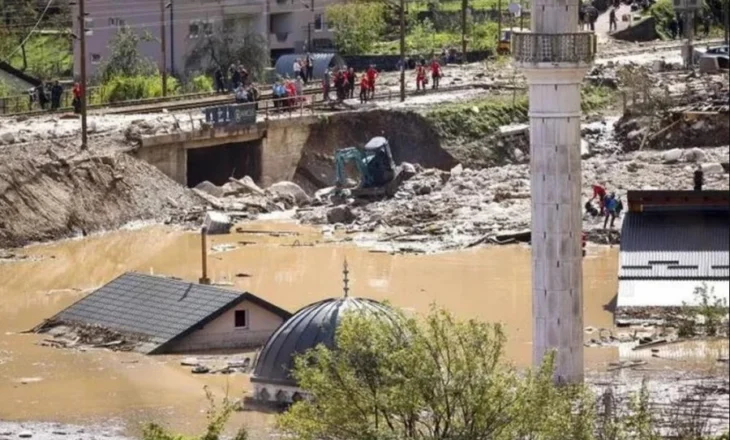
column 287, row 93
column 304, row 68
column 609, row 206
column 230, row 81
column 676, row 25
column 422, row 76
column 344, row 81
column 43, row 94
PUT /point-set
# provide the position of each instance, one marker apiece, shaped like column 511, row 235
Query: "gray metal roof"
column 320, row 63
column 675, row 245
column 156, row 308
column 313, row 325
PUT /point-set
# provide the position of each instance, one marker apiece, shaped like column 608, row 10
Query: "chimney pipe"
column 204, row 245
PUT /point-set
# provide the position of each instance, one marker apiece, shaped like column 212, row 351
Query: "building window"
column 116, row 21
column 208, row 28
column 95, row 58
column 240, row 319
column 318, row 22
column 193, row 29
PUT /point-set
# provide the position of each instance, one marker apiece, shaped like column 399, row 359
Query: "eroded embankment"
column 412, row 139
column 47, row 200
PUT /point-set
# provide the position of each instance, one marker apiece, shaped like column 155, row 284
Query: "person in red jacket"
column 77, row 98
column 600, row 193
column 420, row 77
column 435, row 73
column 364, row 88
column 372, row 75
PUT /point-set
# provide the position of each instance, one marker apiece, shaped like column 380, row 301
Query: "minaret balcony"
column 569, row 48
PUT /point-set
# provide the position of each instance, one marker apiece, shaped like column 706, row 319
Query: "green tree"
column 436, row 378
column 228, row 43
column 357, row 26
column 125, row 58
column 19, row 17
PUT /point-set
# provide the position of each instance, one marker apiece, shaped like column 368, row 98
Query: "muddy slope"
column 46, row 200
column 412, row 139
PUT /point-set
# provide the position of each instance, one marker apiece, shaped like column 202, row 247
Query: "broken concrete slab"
column 292, row 190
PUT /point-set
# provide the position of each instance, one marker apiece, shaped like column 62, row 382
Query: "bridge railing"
column 576, row 47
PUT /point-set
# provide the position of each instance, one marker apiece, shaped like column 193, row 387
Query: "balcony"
column 573, row 48
column 283, row 6
column 281, row 40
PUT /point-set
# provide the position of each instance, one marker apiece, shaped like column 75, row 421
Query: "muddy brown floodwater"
column 41, row 383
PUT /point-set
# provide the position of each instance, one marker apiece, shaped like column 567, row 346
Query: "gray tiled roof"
column 160, row 309
column 675, row 245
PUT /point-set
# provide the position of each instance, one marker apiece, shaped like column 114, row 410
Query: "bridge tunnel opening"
column 219, row 163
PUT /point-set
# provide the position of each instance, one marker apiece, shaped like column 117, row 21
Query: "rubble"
column 217, row 223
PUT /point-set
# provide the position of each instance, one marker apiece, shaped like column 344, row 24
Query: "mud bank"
column 59, row 196
column 56, row 431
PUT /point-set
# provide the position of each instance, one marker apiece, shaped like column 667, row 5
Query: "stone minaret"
column 555, row 56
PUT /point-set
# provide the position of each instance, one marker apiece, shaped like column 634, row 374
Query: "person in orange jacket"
column 372, row 74
column 420, row 77
column 435, row 73
column 364, row 88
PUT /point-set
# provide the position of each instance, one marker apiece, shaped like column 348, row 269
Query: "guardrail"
column 577, row 47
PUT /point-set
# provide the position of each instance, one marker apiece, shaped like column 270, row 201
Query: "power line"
column 48, row 5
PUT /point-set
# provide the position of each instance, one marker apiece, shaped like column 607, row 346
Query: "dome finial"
column 345, row 280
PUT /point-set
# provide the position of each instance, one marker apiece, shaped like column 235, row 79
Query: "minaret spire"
column 345, row 280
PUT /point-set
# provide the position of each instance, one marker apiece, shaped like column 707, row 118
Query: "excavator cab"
column 375, row 165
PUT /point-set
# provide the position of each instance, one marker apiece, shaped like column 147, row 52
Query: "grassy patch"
column 456, row 5
column 481, row 36
column 49, row 56
column 481, row 118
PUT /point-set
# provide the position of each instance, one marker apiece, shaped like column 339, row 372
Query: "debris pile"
column 85, row 336
column 219, row 365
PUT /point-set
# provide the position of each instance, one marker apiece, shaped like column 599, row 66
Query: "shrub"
column 201, row 83
column 123, row 88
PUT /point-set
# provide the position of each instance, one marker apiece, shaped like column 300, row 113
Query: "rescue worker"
column 699, row 178
column 220, row 81
column 599, row 192
column 309, row 68
column 611, row 205
column 326, row 86
column 56, row 93
column 41, row 95
column 612, row 24
column 77, row 98
column 372, row 75
column 351, row 80
column 364, row 88
column 420, row 77
column 435, row 73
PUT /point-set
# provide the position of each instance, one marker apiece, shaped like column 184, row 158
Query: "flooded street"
column 41, row 383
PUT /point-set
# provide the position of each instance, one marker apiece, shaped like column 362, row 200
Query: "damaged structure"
column 672, row 242
column 156, row 315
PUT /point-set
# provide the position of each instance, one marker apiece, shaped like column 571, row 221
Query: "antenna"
column 345, row 280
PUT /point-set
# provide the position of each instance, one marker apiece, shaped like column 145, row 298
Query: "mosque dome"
column 312, row 325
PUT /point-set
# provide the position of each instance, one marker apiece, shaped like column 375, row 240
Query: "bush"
column 201, row 83
column 124, row 88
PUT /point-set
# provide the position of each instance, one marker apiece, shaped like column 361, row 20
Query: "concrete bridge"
column 266, row 151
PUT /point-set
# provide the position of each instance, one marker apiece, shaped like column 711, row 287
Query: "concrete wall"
column 282, row 149
column 170, row 159
column 222, row 334
column 644, row 30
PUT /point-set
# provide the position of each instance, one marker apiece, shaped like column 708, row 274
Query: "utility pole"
column 163, row 47
column 82, row 47
column 172, row 36
column 727, row 22
column 464, row 4
column 402, row 50
column 499, row 21
column 522, row 15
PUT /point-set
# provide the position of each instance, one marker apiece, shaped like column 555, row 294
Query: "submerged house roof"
column 672, row 244
column 158, row 310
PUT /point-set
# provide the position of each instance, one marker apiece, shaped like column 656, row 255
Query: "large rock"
column 712, row 168
column 210, row 189
column 217, row 223
column 8, row 138
column 694, row 155
column 290, row 189
column 340, row 214
column 672, row 156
